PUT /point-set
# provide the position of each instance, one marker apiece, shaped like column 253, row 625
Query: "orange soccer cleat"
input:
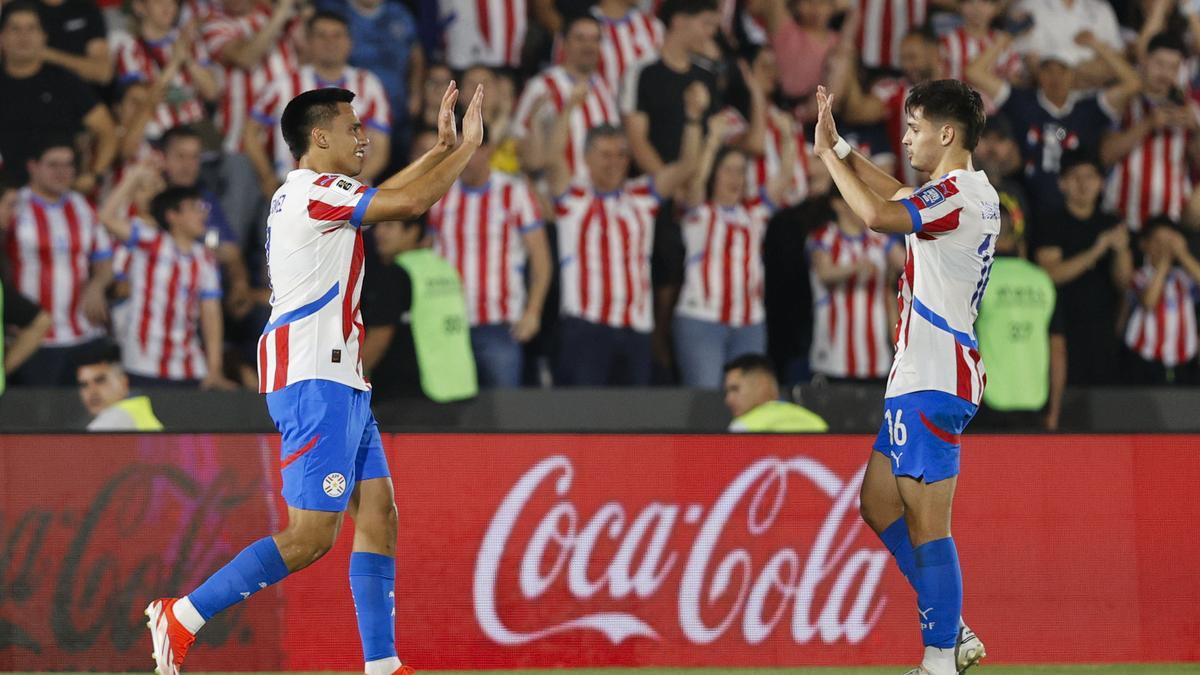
column 171, row 639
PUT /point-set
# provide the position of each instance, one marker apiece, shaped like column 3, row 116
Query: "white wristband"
column 842, row 149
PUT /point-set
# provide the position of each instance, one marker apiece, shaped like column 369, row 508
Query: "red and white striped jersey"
column 1156, row 177
column 894, row 93
column 480, row 231
column 140, row 60
column 723, row 277
column 958, row 48
column 626, row 42
column 166, row 286
column 488, row 32
column 1166, row 334
column 51, row 246
column 554, row 82
column 604, row 245
column 884, row 25
column 850, row 322
column 949, row 256
column 315, row 266
column 241, row 87
column 371, row 104
column 759, row 170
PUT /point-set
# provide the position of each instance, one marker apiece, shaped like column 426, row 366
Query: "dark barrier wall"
column 575, row 550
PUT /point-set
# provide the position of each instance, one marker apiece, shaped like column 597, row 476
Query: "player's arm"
column 423, row 191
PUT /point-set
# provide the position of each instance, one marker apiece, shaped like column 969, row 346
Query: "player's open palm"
column 825, row 135
column 473, row 120
column 447, row 132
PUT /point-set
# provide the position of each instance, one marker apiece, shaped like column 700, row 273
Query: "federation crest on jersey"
column 930, row 197
column 334, row 485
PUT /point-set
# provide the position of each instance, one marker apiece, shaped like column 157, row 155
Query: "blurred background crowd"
column 645, row 208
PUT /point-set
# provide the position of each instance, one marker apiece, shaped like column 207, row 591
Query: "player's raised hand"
column 473, row 120
column 825, row 136
column 447, row 132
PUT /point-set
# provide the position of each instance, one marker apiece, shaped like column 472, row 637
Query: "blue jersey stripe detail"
column 361, row 210
column 301, row 312
column 914, row 213
column 932, row 317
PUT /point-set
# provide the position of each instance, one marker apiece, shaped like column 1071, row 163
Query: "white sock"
column 382, row 666
column 187, row 615
column 939, row 661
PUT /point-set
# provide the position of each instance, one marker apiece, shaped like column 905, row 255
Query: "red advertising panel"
column 589, row 550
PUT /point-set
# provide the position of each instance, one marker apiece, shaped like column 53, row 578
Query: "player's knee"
column 877, row 517
column 381, row 520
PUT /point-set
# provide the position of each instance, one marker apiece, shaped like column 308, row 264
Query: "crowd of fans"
column 645, row 208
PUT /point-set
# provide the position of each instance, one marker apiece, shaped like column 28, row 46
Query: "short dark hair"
column 926, row 33
column 1155, row 223
column 1166, row 40
column 601, row 131
column 722, row 153
column 1072, row 159
column 326, row 15
column 670, row 8
column 307, row 112
column 102, row 352
column 950, row 100
column 177, row 133
column 51, row 142
column 752, row 363
column 170, row 200
column 570, row 22
column 16, row 7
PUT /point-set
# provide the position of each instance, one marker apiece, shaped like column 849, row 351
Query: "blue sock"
column 258, row 565
column 939, row 592
column 895, row 537
column 373, row 584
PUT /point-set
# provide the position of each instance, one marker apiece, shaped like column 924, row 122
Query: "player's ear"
column 948, row 134
column 319, row 138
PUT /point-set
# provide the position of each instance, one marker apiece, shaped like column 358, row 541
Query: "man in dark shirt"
column 77, row 39
column 389, row 354
column 1086, row 253
column 40, row 100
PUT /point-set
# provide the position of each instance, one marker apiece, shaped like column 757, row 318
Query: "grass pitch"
column 1120, row 669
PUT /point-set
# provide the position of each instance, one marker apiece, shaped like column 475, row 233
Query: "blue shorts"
column 921, row 433
column 330, row 442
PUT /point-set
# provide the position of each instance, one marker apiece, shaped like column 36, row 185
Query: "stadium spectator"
column 437, row 76
column 766, row 139
column 1056, row 30
column 159, row 52
column 328, row 40
column 1151, row 17
column 850, row 268
column 1154, row 149
column 417, row 340
column 605, row 234
column 752, row 396
column 489, row 228
column 883, row 26
column 22, row 318
column 42, row 100
column 1161, row 334
column 999, row 156
column 104, row 391
column 720, row 314
column 546, row 95
column 499, row 93
column 62, row 259
column 1086, row 253
column 884, row 104
column 1054, row 117
column 491, row 33
column 1013, row 329
column 175, row 328
column 386, row 43
column 629, row 37
column 77, row 39
column 801, row 35
column 964, row 44
column 255, row 44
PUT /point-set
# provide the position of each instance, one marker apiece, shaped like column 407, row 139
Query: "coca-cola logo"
column 763, row 583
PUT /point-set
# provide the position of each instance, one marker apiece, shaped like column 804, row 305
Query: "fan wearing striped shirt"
column 605, row 237
column 1161, row 335
column 720, row 314
column 173, row 325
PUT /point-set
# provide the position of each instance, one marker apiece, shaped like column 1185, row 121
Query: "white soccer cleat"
column 968, row 650
column 171, row 640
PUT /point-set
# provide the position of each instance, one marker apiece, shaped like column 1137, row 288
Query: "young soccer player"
column 310, row 369
column 937, row 377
